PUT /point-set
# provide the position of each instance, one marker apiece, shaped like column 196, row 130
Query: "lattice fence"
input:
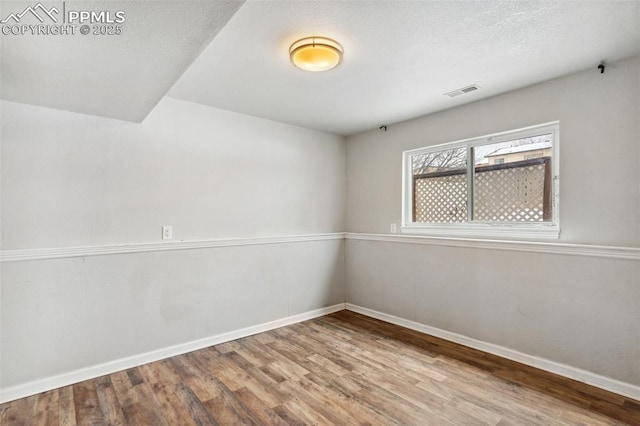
column 512, row 192
column 441, row 199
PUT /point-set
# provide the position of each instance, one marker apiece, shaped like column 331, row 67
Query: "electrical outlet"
column 167, row 232
column 393, row 228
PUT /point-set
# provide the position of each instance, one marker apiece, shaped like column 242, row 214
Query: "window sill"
column 502, row 231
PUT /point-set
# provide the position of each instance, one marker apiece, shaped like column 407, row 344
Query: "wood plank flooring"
column 343, row 368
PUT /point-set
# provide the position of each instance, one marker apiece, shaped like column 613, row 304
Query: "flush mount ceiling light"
column 315, row 53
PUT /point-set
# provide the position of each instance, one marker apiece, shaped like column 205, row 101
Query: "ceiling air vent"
column 462, row 91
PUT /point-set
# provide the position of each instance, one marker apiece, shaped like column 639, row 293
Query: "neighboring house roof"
column 520, row 148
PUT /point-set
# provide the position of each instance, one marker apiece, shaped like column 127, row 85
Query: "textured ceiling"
column 118, row 76
column 400, row 56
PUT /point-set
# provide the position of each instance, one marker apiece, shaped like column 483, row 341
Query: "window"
column 501, row 185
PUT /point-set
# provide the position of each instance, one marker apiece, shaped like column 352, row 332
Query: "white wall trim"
column 627, row 253
column 606, row 383
column 66, row 252
column 65, row 379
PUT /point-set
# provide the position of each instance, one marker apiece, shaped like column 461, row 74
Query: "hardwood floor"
column 343, row 368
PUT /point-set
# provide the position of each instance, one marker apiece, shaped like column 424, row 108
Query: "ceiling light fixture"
column 315, row 53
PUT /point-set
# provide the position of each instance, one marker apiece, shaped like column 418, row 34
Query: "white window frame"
column 512, row 230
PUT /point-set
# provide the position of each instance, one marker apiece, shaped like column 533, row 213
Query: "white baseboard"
column 43, row 385
column 49, row 383
column 606, row 383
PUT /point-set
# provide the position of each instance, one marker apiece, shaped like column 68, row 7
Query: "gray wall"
column 76, row 180
column 599, row 152
column 71, row 180
column 62, row 315
column 577, row 310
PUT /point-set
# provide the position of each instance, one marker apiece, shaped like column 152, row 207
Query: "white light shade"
column 315, row 53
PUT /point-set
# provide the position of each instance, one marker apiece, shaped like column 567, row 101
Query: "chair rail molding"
column 102, row 250
column 626, row 253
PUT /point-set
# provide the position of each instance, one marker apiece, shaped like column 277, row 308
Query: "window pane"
column 440, row 186
column 512, row 181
